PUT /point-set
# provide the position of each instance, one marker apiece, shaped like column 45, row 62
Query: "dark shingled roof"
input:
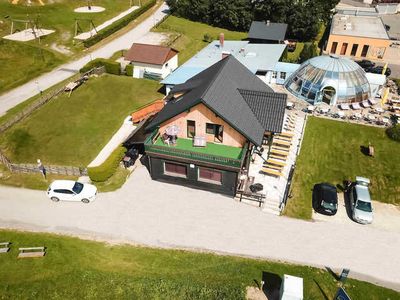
column 263, row 31
column 220, row 88
column 269, row 108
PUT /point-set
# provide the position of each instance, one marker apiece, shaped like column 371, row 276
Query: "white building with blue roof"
column 260, row 59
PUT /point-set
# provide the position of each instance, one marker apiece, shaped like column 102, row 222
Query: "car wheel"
column 85, row 200
column 55, row 199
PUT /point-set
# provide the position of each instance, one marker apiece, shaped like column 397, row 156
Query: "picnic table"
column 31, row 252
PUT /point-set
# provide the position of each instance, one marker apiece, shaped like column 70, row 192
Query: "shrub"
column 112, row 67
column 117, row 25
column 207, row 38
column 107, row 169
column 394, row 132
column 129, row 70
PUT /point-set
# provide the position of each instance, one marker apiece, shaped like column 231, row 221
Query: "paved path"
column 164, row 215
column 31, row 88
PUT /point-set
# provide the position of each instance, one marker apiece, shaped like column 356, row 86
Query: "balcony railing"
column 172, row 151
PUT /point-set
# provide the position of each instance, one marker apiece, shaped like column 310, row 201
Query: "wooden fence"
column 43, row 100
column 50, row 169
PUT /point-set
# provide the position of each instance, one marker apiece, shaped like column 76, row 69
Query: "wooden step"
column 274, row 167
column 280, row 142
column 283, row 138
column 286, row 133
column 279, row 152
column 285, row 149
column 277, row 157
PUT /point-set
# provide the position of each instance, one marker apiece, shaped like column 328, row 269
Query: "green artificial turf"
column 211, row 148
column 332, row 152
column 72, row 131
column 191, row 35
column 78, row 269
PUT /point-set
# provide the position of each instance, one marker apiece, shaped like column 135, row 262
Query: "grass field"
column 71, row 131
column 78, row 269
column 331, row 152
column 22, row 61
column 191, row 35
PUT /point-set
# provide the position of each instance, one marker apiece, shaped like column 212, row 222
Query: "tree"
column 273, row 10
column 233, row 14
column 310, row 50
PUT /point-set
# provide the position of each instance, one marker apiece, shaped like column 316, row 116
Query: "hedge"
column 129, row 70
column 107, row 169
column 394, row 132
column 117, row 25
column 112, row 67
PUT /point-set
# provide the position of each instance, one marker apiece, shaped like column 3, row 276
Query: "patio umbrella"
column 172, row 130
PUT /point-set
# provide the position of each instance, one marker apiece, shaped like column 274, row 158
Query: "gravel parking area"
column 164, row 215
column 386, row 216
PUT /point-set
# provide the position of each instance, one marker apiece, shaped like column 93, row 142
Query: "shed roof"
column 267, row 31
column 232, row 92
column 150, row 54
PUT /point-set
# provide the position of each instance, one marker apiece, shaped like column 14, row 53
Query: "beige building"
column 361, row 37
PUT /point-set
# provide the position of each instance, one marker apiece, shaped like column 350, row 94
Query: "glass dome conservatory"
column 330, row 79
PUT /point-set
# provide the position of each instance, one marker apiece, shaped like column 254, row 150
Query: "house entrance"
column 327, row 94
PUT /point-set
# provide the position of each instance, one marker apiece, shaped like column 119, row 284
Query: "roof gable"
column 150, row 54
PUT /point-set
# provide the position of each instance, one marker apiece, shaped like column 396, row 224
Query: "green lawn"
column 211, row 148
column 331, row 153
column 22, row 61
column 72, row 131
column 192, row 33
column 78, row 269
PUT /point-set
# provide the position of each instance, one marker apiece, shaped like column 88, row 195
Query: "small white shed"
column 291, row 288
column 152, row 61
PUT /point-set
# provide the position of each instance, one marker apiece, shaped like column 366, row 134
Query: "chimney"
column 268, row 22
column 225, row 54
column 221, row 39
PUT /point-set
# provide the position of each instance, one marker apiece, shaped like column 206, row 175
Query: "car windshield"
column 363, row 183
column 364, row 206
column 327, row 204
column 78, row 187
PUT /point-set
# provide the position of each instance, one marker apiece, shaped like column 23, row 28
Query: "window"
column 354, row 50
column 175, row 169
column 216, row 130
column 344, row 49
column 191, row 128
column 210, row 176
column 273, row 74
column 364, row 51
column 333, row 48
column 64, row 191
column 283, row 75
column 210, row 128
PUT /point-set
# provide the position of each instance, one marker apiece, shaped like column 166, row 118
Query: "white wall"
column 163, row 71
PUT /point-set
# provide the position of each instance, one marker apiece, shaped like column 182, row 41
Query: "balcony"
column 212, row 153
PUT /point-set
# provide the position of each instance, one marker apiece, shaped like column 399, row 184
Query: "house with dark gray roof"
column 210, row 126
column 267, row 32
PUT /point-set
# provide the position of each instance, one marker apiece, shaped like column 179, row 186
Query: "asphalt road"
column 171, row 216
column 31, row 88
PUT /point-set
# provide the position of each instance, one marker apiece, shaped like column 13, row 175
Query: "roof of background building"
column 286, row 67
column 254, row 56
column 360, row 26
column 267, row 31
column 232, row 92
column 150, row 54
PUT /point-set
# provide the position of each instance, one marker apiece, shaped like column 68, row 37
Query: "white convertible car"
column 69, row 190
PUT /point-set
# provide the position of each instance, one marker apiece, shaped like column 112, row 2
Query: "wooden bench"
column 4, row 247
column 282, row 153
column 276, row 162
column 31, row 252
column 286, row 133
column 280, row 142
column 271, row 172
column 274, row 167
column 284, row 149
column 371, row 151
column 283, row 138
column 277, row 157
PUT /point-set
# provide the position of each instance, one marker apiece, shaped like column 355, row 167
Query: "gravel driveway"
column 163, row 215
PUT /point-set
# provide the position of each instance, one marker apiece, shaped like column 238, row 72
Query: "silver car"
column 360, row 201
